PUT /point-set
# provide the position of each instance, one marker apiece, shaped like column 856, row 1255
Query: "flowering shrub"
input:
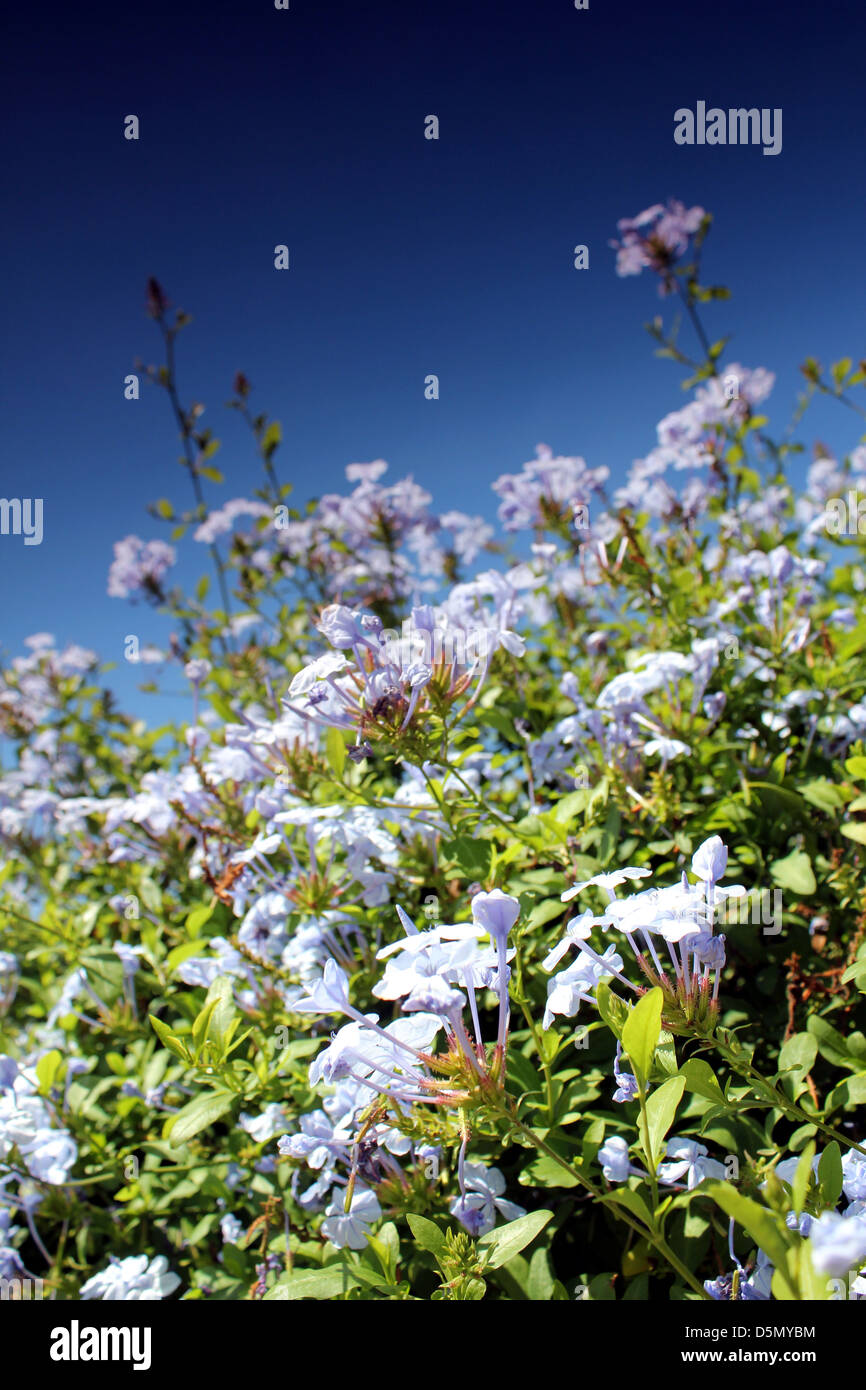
column 496, row 926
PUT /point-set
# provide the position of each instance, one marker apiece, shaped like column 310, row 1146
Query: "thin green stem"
column 440, row 800
column 647, row 1148
column 533, row 1028
column 484, row 805
column 656, row 1240
column 779, row 1100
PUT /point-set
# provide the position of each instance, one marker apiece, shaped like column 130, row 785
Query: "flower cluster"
column 656, row 239
column 287, row 987
column 682, row 916
column 381, row 686
column 139, row 568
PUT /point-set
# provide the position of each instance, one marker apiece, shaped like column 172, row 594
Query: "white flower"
column 484, row 1189
column 266, row 1126
column 51, row 1155
column 132, row 1279
column 613, row 1157
column 606, row 881
column 710, row 860
column 838, row 1242
column 348, row 1229
column 688, row 1160
column 570, row 987
column 667, row 748
column 331, row 664
column 231, row 1229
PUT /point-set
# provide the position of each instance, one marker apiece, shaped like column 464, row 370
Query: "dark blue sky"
column 408, row 256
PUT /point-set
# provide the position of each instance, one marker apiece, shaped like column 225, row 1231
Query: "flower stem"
column 779, row 1100
column 656, row 1240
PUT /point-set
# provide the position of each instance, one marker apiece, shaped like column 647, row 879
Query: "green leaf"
column 506, row 1242
column 760, row 1224
column 472, row 857
column 312, row 1283
column 427, row 1234
column 272, row 438
column 150, row 894
column 335, row 751
column 613, row 1010
column 854, row 830
column 797, row 1058
column 198, row 1115
column 701, row 1079
column 180, row 954
column 169, row 1039
column 661, row 1108
column 830, row 1173
column 47, row 1069
column 802, row 1178
column 202, row 1021
column 831, row 1044
column 546, row 1172
column 822, row 794
column 199, row 916
column 386, row 1247
column 221, row 994
column 856, row 972
column 641, row 1033
column 814, row 1287
column 521, row 1071
column 545, row 912
column 795, row 872
column 849, row 1094
column 665, row 1059
column 540, row 1284
column 633, row 1202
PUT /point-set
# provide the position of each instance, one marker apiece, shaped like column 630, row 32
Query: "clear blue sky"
column 408, row 256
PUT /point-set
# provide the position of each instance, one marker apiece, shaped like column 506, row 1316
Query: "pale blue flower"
column 838, row 1243
column 614, row 1159
column 329, row 995
column 854, row 1176
column 688, row 1159
column 231, row 1229
column 710, row 860
column 349, row 1229
column 135, row 1279
column 267, row 1125
column 482, row 1198
column 496, row 912
column 627, row 1087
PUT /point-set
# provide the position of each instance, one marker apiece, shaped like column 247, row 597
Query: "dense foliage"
column 496, row 927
